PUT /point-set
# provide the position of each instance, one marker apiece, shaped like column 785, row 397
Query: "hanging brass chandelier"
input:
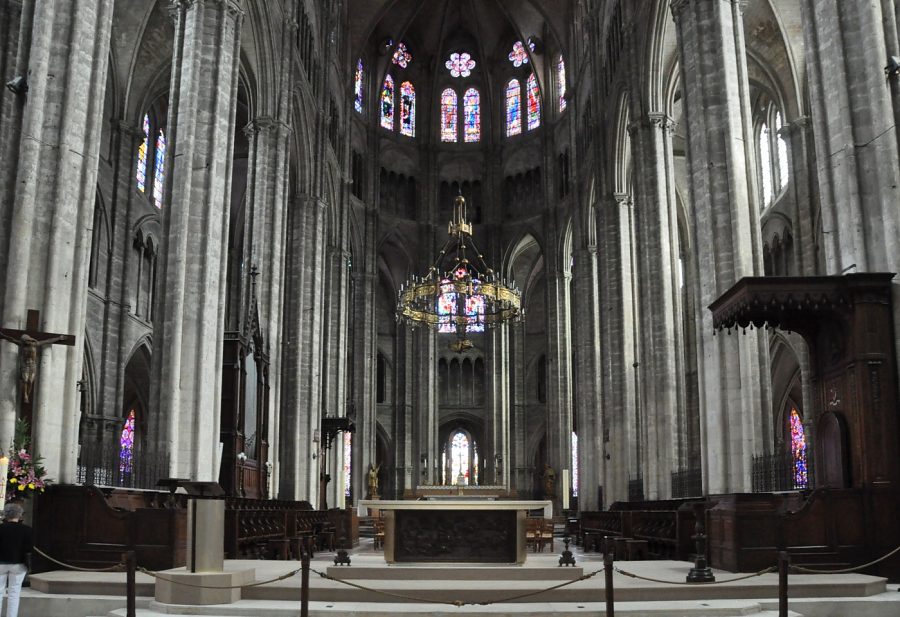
column 459, row 294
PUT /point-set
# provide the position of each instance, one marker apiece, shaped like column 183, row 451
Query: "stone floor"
column 414, row 590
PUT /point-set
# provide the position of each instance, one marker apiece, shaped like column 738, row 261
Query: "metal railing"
column 778, row 472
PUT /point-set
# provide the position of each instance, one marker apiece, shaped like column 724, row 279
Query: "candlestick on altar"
column 565, row 489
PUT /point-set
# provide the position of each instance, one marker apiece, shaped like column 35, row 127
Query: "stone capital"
column 622, row 199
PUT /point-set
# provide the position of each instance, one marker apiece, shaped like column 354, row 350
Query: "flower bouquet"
column 25, row 473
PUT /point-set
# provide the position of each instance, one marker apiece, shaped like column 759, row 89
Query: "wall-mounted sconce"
column 316, row 436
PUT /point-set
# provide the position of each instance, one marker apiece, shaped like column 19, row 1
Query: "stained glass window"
column 387, row 103
column 798, row 450
column 561, row 83
column 513, row 108
column 518, row 56
column 407, row 109
column 460, row 64
column 574, row 464
column 449, row 120
column 446, row 308
column 348, row 461
column 142, row 156
column 402, row 56
column 471, row 115
column 126, row 445
column 475, row 313
column 358, row 86
column 459, row 459
column 159, row 169
column 534, row 102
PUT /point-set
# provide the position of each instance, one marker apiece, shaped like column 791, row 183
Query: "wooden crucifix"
column 29, row 341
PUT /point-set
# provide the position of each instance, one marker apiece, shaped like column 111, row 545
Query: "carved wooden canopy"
column 797, row 303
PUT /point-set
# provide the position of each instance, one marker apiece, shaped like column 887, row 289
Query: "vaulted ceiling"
column 430, row 25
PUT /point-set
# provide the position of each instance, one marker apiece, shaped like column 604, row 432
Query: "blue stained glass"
column 159, row 172
column 142, row 156
column 358, row 86
column 561, row 83
column 446, row 308
column 402, row 55
column 798, row 451
column 513, row 108
column 518, row 56
column 472, row 115
column 126, row 445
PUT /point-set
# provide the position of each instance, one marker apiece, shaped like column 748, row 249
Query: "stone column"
column 301, row 394
column 517, row 473
column 733, row 398
column 658, row 312
column 587, row 371
column 425, row 419
column 855, row 117
column 619, row 418
column 187, row 360
column 559, row 375
column 498, row 377
column 54, row 131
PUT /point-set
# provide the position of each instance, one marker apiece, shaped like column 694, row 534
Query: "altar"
column 455, row 531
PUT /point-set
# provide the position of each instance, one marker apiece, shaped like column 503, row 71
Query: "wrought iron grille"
column 687, row 483
column 777, row 472
column 636, row 489
column 103, row 466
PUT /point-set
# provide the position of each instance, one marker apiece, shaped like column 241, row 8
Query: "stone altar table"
column 457, row 531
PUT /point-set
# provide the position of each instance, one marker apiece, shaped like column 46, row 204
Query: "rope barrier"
column 119, row 567
column 847, row 570
column 157, row 576
column 456, row 603
column 731, row 580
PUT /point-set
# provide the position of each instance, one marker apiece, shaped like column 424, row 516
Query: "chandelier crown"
column 459, row 293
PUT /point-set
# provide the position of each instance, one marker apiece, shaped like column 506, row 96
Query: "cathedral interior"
column 223, row 200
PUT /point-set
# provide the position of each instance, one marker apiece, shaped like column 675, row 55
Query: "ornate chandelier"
column 459, row 294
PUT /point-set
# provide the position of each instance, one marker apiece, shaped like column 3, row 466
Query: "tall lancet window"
column 159, row 172
column 798, row 450
column 534, row 102
column 387, row 103
column 449, row 120
column 459, row 459
column 472, row 115
column 126, row 445
column 407, row 109
column 561, row 83
column 513, row 108
column 143, row 154
column 358, row 86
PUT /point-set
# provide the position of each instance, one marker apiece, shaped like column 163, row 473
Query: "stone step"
column 730, row 608
column 399, row 572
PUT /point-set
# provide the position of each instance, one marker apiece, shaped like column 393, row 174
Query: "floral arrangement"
column 26, row 473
